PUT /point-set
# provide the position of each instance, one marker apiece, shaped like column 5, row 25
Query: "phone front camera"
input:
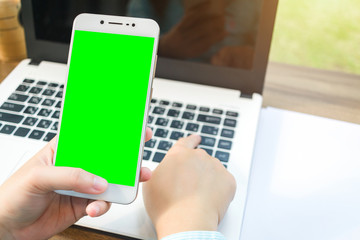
column 133, row 24
column 102, row 22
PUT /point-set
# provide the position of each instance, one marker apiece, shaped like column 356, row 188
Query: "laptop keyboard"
column 33, row 110
column 173, row 120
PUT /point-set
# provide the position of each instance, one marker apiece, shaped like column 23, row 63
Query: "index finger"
column 191, row 141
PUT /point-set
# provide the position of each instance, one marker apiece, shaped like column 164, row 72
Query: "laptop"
column 209, row 79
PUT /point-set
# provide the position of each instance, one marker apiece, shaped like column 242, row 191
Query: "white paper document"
column 305, row 181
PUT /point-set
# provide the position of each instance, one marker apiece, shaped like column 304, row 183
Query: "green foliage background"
column 318, row 33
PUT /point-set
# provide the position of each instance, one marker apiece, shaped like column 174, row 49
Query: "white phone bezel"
column 116, row 25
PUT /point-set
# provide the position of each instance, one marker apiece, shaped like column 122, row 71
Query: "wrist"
column 184, row 219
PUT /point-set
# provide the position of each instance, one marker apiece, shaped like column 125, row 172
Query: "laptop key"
column 177, row 105
column 31, row 110
column 30, row 121
column 22, row 88
column 227, row 133
column 61, row 86
column 164, row 145
column 56, row 115
column 35, row 100
column 8, row 117
column 36, row 134
column 204, row 109
column 230, row 122
column 58, row 105
column 161, row 132
column 222, row 156
column 44, row 112
column 192, row 127
column 35, row 90
column 191, row 107
column 177, row 124
column 209, row 119
column 209, row 151
column 162, row 121
column 59, row 94
column 218, row 111
column 173, row 113
column 48, row 102
column 55, row 126
column 12, row 107
column 146, row 155
column 159, row 110
column 153, row 100
column 232, row 114
column 225, row 144
column 175, row 135
column 150, row 119
column 188, row 115
column 27, row 80
column 151, row 143
column 22, row 132
column 7, row 129
column 48, row 92
column 18, row 97
column 207, row 141
column 158, row 157
column 210, row 130
column 44, row 124
column 165, row 103
column 53, row 85
column 42, row 83
column 49, row 136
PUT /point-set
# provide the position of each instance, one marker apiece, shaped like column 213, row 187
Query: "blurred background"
column 318, row 33
column 322, row 34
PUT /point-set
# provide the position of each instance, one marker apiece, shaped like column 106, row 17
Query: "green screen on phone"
column 104, row 105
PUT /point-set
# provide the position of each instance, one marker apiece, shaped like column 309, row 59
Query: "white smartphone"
column 106, row 100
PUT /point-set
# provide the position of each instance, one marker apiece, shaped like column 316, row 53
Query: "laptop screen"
column 204, row 41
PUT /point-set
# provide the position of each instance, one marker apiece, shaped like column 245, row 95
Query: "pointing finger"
column 191, row 141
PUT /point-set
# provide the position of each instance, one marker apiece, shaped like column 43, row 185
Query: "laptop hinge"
column 245, row 95
column 35, row 62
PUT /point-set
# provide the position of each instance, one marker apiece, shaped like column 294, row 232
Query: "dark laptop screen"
column 215, row 42
column 217, row 32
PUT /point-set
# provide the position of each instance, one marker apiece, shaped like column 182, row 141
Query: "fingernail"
column 99, row 183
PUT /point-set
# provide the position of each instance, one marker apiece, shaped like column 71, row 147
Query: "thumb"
column 50, row 178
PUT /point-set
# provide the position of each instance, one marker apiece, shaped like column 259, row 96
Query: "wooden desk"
column 318, row 92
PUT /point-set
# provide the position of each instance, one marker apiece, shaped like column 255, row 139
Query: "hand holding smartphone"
column 107, row 96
